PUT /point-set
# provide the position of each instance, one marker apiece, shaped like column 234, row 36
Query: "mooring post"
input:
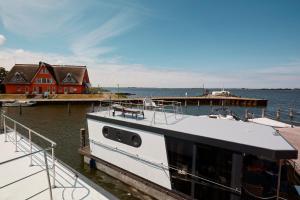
column 20, row 109
column 93, row 107
column 69, row 108
column 198, row 103
column 210, row 106
column 185, row 103
column 263, row 113
column 246, row 115
column 82, row 138
column 291, row 117
column 278, row 114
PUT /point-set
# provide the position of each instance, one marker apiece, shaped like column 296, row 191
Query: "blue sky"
column 176, row 43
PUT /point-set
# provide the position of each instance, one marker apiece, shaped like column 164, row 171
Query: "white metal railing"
column 161, row 106
column 8, row 129
column 164, row 106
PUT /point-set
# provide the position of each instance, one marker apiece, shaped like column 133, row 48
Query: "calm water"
column 56, row 123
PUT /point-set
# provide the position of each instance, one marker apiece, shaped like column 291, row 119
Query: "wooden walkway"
column 207, row 100
column 292, row 135
column 194, row 100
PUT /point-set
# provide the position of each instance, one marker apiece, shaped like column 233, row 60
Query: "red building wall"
column 44, row 82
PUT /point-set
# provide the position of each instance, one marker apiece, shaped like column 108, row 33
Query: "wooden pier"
column 194, row 100
column 207, row 100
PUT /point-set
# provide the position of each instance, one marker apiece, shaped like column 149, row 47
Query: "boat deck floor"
column 20, row 180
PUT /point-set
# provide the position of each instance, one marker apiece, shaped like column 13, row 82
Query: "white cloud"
column 32, row 18
column 88, row 44
column 111, row 73
column 2, row 39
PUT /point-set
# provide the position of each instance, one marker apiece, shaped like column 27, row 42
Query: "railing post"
column 48, row 175
column 53, row 165
column 291, row 117
column 4, row 127
column 246, row 115
column 30, row 144
column 278, row 114
column 16, row 137
column 263, row 113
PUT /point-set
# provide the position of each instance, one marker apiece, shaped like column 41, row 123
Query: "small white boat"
column 221, row 93
column 18, row 103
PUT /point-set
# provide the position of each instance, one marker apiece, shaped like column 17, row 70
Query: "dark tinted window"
column 122, row 136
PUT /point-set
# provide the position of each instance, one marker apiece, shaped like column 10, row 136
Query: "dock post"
column 263, row 113
column 246, row 115
column 291, row 117
column 69, row 108
column 278, row 114
column 82, row 138
column 210, row 106
column 20, row 109
column 198, row 103
column 185, row 103
column 93, row 107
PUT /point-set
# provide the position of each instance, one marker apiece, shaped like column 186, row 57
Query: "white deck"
column 36, row 186
column 240, row 132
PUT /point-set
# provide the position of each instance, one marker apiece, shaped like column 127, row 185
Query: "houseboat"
column 170, row 155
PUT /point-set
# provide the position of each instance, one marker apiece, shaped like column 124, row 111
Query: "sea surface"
column 56, row 123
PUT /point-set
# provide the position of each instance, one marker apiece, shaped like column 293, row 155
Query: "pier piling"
column 93, row 107
column 20, row 109
column 82, row 138
column 69, row 108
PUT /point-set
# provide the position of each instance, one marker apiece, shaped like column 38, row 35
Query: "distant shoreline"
column 205, row 88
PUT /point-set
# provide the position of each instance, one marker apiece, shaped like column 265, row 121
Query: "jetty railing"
column 289, row 115
column 17, row 136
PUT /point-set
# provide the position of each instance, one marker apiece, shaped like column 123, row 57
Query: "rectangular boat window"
column 122, row 136
column 180, row 157
column 191, row 163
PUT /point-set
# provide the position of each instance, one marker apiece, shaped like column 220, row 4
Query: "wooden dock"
column 194, row 100
column 207, row 100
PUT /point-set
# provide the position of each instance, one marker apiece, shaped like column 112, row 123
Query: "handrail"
column 23, row 156
column 32, row 131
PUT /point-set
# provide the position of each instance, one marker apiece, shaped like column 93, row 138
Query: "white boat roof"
column 239, row 136
column 19, row 180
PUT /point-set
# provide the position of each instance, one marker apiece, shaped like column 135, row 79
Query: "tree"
column 3, row 74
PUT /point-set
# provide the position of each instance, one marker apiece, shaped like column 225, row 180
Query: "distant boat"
column 221, row 93
column 18, row 103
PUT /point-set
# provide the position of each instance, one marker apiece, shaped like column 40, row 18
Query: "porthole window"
column 136, row 141
column 122, row 136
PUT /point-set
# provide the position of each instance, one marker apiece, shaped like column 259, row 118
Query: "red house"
column 44, row 78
